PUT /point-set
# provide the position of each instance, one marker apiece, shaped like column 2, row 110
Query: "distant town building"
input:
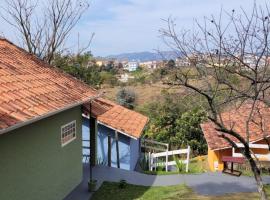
column 149, row 64
column 131, row 66
column 182, row 62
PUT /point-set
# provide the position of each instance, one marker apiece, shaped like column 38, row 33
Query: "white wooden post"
column 152, row 161
column 167, row 160
column 155, row 160
column 188, row 152
column 149, row 161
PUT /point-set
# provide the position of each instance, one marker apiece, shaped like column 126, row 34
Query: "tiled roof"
column 118, row 117
column 236, row 119
column 100, row 106
column 29, row 88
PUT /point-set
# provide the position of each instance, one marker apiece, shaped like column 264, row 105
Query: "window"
column 68, row 133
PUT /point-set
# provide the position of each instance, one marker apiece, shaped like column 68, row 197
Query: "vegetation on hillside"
column 175, row 121
column 78, row 66
column 126, row 98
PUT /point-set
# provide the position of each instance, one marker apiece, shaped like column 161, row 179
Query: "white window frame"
column 73, row 138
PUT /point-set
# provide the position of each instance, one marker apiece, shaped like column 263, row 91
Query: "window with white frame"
column 68, row 133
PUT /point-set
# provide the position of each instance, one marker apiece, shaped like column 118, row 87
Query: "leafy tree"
column 188, row 131
column 108, row 78
column 126, row 98
column 158, row 74
column 109, row 67
column 170, row 64
column 175, row 121
column 78, row 66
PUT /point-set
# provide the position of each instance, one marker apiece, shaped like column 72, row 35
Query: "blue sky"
column 122, row 26
column 132, row 25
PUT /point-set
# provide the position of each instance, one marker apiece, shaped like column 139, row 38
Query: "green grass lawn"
column 111, row 191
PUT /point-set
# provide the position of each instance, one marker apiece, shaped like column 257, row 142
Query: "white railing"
column 153, row 158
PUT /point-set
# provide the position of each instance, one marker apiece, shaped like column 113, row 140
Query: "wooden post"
column 109, row 151
column 117, row 149
column 93, row 140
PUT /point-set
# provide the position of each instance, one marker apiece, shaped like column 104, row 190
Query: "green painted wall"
column 34, row 166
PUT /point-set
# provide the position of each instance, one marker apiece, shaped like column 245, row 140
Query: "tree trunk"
column 257, row 176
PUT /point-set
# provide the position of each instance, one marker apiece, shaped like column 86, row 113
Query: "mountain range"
column 144, row 56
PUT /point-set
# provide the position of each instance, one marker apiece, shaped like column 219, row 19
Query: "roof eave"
column 222, row 148
column 122, row 132
column 33, row 120
column 101, row 123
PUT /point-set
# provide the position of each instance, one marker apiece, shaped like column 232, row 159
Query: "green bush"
column 122, row 184
column 177, row 122
column 108, row 78
column 179, row 164
column 126, row 98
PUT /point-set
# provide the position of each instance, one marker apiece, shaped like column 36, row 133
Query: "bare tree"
column 229, row 57
column 44, row 26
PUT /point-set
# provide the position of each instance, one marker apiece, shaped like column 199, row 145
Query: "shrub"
column 122, row 184
column 126, row 98
column 179, row 164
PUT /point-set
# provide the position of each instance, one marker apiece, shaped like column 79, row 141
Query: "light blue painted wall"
column 135, row 149
column 128, row 147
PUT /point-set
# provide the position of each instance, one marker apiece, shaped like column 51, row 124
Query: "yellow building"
column 219, row 147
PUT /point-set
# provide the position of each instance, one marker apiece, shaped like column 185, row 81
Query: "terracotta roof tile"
column 236, row 119
column 30, row 88
column 118, row 117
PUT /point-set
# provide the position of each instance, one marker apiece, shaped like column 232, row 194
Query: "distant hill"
column 144, row 56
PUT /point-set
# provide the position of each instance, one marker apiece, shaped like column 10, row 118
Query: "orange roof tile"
column 118, row 117
column 236, row 119
column 29, row 88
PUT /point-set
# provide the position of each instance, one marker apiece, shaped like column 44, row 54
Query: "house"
column 182, row 62
column 259, row 129
column 40, row 127
column 116, row 121
column 131, row 66
column 149, row 64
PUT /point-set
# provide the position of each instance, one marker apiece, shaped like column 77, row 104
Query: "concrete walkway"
column 204, row 184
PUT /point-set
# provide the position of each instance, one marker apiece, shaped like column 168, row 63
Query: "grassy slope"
column 111, row 191
column 145, row 93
